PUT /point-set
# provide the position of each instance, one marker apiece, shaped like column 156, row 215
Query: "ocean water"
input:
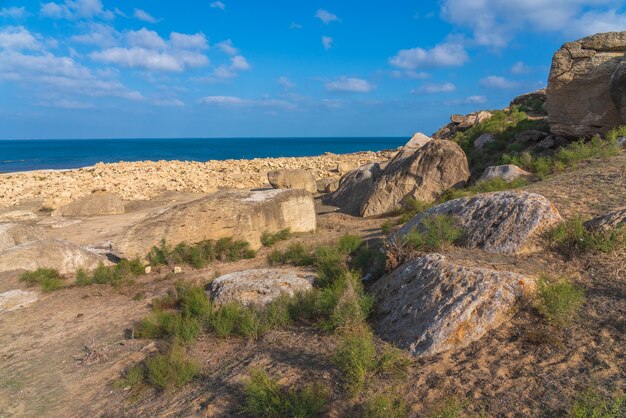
column 22, row 155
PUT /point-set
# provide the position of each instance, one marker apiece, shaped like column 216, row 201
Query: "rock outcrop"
column 292, row 179
column 483, row 140
column 354, row 188
column 259, row 287
column 327, row 185
column 12, row 234
column 507, row 172
column 18, row 216
column 461, row 123
column 431, row 305
column 501, row 222
column 531, row 102
column 608, row 221
column 418, row 172
column 49, row 253
column 582, row 100
column 240, row 214
column 94, row 204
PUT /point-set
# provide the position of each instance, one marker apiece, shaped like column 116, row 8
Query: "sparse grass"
column 48, row 279
column 349, row 243
column 591, row 404
column 268, row 239
column 385, row 405
column 571, row 238
column 616, row 133
column 296, row 254
column 170, row 370
column 173, row 325
column 369, row 261
column 264, row 397
column 451, row 407
column 558, row 300
column 122, row 273
column 133, row 378
column 201, row 254
column 437, row 232
column 355, row 356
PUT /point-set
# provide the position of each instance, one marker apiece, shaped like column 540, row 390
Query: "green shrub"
column 264, row 397
column 590, row 404
column 355, row 356
column 349, row 243
column 48, row 279
column 170, row 370
column 133, row 378
column 268, row 239
column 370, row 262
column 295, row 254
column 171, row 325
column 616, row 133
column 558, row 300
column 448, row 408
column 438, row 231
column 330, row 265
column 387, row 227
column 347, row 306
column 393, row 362
column 83, row 278
column 201, row 254
column 385, row 405
column 571, row 238
column 225, row 320
column 192, row 301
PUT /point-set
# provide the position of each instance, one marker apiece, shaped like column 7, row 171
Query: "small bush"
column 558, row 300
column 295, row 254
column 330, row 265
column 592, row 405
column 192, row 301
column 385, row 405
column 387, row 227
column 438, row 232
column 393, row 362
column 176, row 326
column 355, row 356
column 264, row 397
column 133, row 378
column 370, row 262
column 571, row 238
column 48, row 279
column 225, row 320
column 349, row 243
column 616, row 133
column 170, row 370
column 201, row 254
column 448, row 408
column 116, row 275
column 268, row 239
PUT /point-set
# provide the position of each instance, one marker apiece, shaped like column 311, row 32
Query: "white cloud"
column 218, row 5
column 520, row 68
column 144, row 16
column 145, row 38
column 349, row 84
column 496, row 82
column 18, row 37
column 223, row 100
column 76, row 9
column 225, row 72
column 442, row 55
column 98, row 34
column 13, row 12
column 239, row 63
column 468, row 100
column 150, row 59
column 227, row 47
column 237, row 102
column 184, row 41
column 68, row 104
column 410, row 74
column 295, row 25
column 169, row 103
column 325, row 16
column 436, row 88
column 495, row 22
column 285, row 82
column 327, row 41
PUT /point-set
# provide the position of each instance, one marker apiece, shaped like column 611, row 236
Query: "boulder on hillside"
column 608, row 221
column 292, row 179
column 12, row 234
column 354, row 188
column 421, row 173
column 530, row 135
column 238, row 214
column 581, row 99
column 49, row 253
column 531, row 102
column 507, row 172
column 94, row 204
column 259, row 287
column 501, row 222
column 431, row 305
column 460, row 123
column 483, row 140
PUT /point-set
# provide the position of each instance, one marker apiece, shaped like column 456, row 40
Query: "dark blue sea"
column 23, row 155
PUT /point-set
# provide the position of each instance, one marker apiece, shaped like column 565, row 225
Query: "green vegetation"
column 448, row 408
column 437, row 232
column 48, row 279
column 616, row 133
column 170, row 370
column 592, row 405
column 116, row 275
column 268, row 239
column 201, row 254
column 385, row 405
column 264, row 397
column 295, row 254
column 133, row 378
column 558, row 300
column 355, row 356
column 571, row 238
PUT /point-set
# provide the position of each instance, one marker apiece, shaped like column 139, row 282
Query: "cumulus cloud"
column 327, row 42
column 410, row 74
column 76, row 9
column 227, row 47
column 495, row 22
column 442, row 55
column 218, row 5
column 520, row 68
column 350, row 85
column 13, row 12
column 98, row 34
column 144, row 16
column 145, row 38
column 436, row 88
column 496, row 82
column 239, row 63
column 169, row 103
column 237, row 102
column 285, row 82
column 295, row 25
column 18, row 37
column 326, row 17
column 184, row 41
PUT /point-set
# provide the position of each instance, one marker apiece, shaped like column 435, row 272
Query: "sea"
column 26, row 155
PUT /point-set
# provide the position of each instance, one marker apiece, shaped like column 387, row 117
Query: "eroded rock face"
column 460, row 123
column 292, row 179
column 421, row 173
column 507, row 172
column 533, row 101
column 501, row 222
column 49, row 253
column 259, row 287
column 240, row 214
column 431, row 305
column 483, row 140
column 582, row 101
column 609, row 221
column 354, row 188
column 12, row 234
column 16, row 299
column 94, row 204
column 618, row 88
column 17, row 216
column 327, row 185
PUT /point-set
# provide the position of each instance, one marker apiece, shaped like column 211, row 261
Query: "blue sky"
column 154, row 68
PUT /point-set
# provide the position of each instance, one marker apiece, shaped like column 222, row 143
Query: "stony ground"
column 60, row 356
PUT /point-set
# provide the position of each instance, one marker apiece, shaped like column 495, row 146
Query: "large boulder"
column 49, row 253
column 259, row 287
column 431, row 305
column 354, row 188
column 418, row 172
column 618, row 88
column 238, row 214
column 507, row 172
column 12, row 234
column 292, row 179
column 483, row 140
column 608, row 221
column 94, row 204
column 460, row 123
column 581, row 100
column 501, row 222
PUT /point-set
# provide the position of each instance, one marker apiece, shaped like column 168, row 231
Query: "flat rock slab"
column 259, row 287
column 95, row 204
column 507, row 172
column 16, row 299
column 12, row 234
column 49, row 253
column 432, row 305
column 500, row 222
column 238, row 214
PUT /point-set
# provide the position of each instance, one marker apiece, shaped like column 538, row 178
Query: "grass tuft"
column 571, row 238
column 385, row 405
column 558, row 300
column 438, row 231
column 452, row 407
column 355, row 356
column 201, row 254
column 170, row 370
column 591, row 404
column 48, row 279
column 268, row 239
